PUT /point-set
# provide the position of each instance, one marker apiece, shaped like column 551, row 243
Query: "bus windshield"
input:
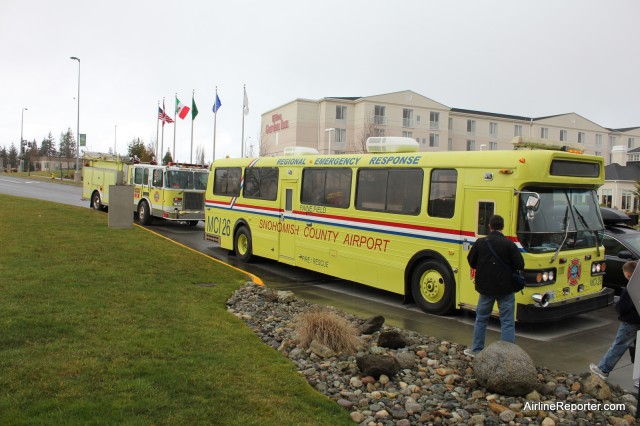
column 565, row 219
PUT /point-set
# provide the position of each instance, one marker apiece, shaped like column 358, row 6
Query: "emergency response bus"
column 173, row 192
column 404, row 221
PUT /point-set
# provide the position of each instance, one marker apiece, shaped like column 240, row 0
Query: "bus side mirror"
column 532, row 204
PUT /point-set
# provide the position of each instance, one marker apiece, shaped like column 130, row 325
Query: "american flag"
column 163, row 117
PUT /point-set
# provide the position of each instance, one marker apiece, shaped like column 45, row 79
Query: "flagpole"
column 157, row 132
column 215, row 118
column 193, row 94
column 162, row 145
column 244, row 91
column 175, row 126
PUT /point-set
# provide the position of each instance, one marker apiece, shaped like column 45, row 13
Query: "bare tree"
column 369, row 128
column 200, row 154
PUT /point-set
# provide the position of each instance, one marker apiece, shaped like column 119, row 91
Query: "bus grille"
column 193, row 201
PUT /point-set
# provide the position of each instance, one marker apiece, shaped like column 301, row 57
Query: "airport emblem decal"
column 574, row 272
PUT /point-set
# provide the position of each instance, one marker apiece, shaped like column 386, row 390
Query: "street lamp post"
column 22, row 150
column 78, row 123
column 331, row 129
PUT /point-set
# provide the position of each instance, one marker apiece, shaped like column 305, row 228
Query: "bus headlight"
column 540, row 277
column 598, row 268
column 177, row 201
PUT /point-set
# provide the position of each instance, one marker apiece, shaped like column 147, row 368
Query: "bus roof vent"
column 391, row 144
column 522, row 142
column 300, row 150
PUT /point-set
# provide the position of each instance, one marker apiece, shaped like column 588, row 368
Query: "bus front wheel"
column 243, row 245
column 433, row 288
column 144, row 213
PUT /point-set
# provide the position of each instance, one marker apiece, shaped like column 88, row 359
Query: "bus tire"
column 96, row 202
column 433, row 288
column 144, row 213
column 242, row 244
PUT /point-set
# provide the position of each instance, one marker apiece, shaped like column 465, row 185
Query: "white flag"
column 245, row 103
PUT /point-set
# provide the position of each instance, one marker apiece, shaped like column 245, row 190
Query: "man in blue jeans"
column 493, row 282
column 629, row 326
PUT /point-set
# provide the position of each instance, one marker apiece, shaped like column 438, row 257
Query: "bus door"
column 479, row 206
column 287, row 234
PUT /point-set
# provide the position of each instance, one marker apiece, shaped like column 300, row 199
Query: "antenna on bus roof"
column 391, row 144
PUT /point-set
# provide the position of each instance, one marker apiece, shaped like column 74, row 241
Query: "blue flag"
column 217, row 104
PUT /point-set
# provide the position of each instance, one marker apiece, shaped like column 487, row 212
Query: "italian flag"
column 181, row 110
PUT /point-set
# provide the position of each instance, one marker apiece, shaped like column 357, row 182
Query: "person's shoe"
column 468, row 352
column 595, row 370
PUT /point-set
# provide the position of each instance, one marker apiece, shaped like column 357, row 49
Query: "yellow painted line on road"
column 255, row 279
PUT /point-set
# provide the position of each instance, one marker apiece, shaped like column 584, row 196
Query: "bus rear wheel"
column 433, row 288
column 243, row 244
column 144, row 213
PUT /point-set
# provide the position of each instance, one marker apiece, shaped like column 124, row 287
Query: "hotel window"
column 450, row 123
column 633, row 157
column 341, row 135
column 517, row 130
column 471, row 145
column 341, row 112
column 407, row 117
column 544, row 132
column 434, row 120
column 434, row 139
column 493, row 129
column 598, row 140
column 450, row 144
column 599, row 153
column 631, row 143
column 471, row 127
column 417, row 119
column 627, row 200
column 493, row 146
column 581, row 137
column 563, row 135
column 612, row 141
column 379, row 116
column 407, row 134
column 606, row 197
column 378, row 132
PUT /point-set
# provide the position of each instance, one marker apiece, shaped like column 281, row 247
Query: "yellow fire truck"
column 173, row 191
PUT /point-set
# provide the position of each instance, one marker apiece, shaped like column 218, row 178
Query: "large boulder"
column 505, row 368
column 392, row 340
column 372, row 325
column 376, row 365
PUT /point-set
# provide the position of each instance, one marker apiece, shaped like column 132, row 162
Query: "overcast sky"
column 532, row 58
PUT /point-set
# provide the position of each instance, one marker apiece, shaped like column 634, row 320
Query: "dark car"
column 621, row 244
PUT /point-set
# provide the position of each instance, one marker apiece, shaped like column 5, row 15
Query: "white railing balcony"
column 434, row 125
column 407, row 122
column 379, row 119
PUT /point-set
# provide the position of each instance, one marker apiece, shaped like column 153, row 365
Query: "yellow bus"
column 404, row 221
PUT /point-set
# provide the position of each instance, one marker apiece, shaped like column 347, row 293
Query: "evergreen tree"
column 48, row 146
column 167, row 157
column 68, row 144
column 137, row 147
column 4, row 158
column 13, row 157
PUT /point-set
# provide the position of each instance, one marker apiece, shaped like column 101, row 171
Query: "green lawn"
column 109, row 326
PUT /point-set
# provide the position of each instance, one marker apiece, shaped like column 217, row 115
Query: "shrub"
column 328, row 328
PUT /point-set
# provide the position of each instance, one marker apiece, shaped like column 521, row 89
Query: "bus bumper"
column 565, row 308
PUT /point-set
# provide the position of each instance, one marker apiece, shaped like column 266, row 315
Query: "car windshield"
column 566, row 218
column 179, row 179
column 201, row 180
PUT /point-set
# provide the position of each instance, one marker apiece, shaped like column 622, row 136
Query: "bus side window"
column 485, row 211
column 442, row 193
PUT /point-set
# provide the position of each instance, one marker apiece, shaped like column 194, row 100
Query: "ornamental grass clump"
column 328, row 328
